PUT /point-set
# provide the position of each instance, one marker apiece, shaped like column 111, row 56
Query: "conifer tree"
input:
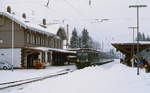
column 139, row 38
column 85, row 39
column 143, row 37
column 148, row 39
column 74, row 42
column 61, row 33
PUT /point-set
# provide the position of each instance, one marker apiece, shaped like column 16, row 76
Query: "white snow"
column 21, row 74
column 53, row 49
column 109, row 78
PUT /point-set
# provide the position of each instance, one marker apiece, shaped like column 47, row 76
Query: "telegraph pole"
column 137, row 7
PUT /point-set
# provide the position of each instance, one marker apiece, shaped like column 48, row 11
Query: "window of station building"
column 54, row 41
column 57, row 43
column 51, row 42
column 49, row 57
column 42, row 40
column 147, row 50
column 60, row 44
column 39, row 39
column 36, row 39
column 48, row 41
column 33, row 39
column 28, row 38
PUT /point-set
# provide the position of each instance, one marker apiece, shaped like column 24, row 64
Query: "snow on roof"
column 32, row 26
column 53, row 49
column 53, row 28
column 144, row 42
column 91, row 49
column 140, row 42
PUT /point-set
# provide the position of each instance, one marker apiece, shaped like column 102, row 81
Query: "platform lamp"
column 137, row 7
column 133, row 28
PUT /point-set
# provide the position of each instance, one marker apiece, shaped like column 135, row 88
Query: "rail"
column 26, row 81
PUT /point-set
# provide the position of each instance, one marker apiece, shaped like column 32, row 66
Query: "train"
column 86, row 57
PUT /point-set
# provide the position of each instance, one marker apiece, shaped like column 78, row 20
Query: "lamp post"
column 137, row 7
column 67, row 41
column 133, row 28
column 12, row 41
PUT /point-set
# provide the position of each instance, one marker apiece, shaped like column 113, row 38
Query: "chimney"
column 9, row 9
column 24, row 15
column 44, row 21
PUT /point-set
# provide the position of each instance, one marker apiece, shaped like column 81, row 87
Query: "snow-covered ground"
column 21, row 74
column 109, row 78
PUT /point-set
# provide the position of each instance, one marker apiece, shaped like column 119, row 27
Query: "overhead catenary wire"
column 80, row 13
column 74, row 8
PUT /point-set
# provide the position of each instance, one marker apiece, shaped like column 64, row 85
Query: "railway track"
column 26, row 81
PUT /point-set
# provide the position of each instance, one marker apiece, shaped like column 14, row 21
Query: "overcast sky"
column 78, row 13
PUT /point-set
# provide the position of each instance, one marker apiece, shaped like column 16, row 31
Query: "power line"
column 74, row 8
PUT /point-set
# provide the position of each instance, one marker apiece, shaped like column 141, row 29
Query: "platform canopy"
column 127, row 48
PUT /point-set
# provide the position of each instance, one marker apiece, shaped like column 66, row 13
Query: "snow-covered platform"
column 22, row 74
column 109, row 78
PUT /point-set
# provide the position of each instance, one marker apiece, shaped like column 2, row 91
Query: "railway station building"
column 29, row 42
